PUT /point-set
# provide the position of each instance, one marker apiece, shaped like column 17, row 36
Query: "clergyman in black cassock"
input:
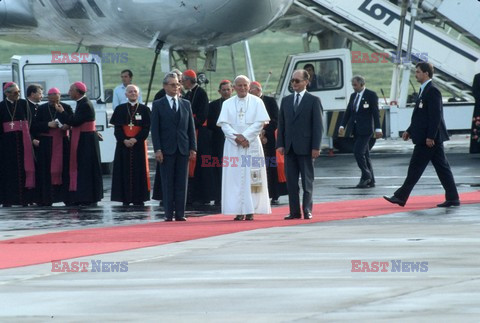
column 218, row 138
column 201, row 183
column 276, row 188
column 86, row 183
column 53, row 151
column 130, row 178
column 17, row 165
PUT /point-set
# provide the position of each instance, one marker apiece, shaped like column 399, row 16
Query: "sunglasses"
column 296, row 81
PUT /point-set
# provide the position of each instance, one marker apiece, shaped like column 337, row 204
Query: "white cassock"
column 243, row 167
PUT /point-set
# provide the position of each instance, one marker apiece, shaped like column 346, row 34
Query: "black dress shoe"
column 364, row 183
column 168, row 219
column 450, row 203
column 275, row 202
column 138, row 203
column 395, row 200
column 291, row 217
column 307, row 216
column 372, row 184
column 249, row 217
column 181, row 218
column 239, row 218
column 125, row 204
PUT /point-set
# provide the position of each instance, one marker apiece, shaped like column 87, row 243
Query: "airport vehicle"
column 379, row 25
column 42, row 69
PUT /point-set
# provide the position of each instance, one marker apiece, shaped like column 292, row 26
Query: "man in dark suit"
column 428, row 132
column 299, row 139
column 474, row 135
column 173, row 136
column 361, row 118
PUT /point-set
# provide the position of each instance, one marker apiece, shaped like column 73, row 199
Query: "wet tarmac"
column 335, row 179
column 298, row 273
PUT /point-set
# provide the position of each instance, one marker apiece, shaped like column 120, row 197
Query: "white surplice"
column 245, row 116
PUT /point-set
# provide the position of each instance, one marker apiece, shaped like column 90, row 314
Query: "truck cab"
column 44, row 70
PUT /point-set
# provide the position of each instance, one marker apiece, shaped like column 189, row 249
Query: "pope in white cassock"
column 244, row 176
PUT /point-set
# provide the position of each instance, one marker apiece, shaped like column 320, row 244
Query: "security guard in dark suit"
column 428, row 132
column 362, row 117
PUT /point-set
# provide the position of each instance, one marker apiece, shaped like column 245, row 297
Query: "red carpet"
column 79, row 243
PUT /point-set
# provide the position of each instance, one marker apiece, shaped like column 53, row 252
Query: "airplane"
column 181, row 25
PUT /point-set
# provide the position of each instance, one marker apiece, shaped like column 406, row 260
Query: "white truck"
column 333, row 69
column 44, row 70
column 380, row 26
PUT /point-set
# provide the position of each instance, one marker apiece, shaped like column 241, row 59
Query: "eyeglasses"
column 174, row 84
column 16, row 92
column 296, row 81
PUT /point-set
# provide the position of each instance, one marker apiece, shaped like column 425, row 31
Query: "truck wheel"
column 107, row 168
column 345, row 145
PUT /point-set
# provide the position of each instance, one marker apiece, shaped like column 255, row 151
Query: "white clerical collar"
column 32, row 102
column 133, row 103
column 81, row 98
column 12, row 102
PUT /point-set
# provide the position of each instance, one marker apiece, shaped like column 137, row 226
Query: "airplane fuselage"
column 181, row 24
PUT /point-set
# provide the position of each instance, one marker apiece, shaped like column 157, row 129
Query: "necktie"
column 174, row 105
column 355, row 103
column 297, row 102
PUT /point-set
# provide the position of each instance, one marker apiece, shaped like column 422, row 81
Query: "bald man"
column 86, row 184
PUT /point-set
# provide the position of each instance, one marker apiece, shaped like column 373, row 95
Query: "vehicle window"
column 325, row 74
column 62, row 76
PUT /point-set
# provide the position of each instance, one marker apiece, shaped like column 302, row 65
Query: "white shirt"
column 359, row 95
column 169, row 99
column 301, row 96
column 119, row 96
column 422, row 87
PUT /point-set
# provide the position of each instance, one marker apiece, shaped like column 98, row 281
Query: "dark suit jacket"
column 366, row 119
column 300, row 130
column 172, row 131
column 427, row 121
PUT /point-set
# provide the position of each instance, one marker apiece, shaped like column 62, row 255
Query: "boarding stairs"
column 375, row 24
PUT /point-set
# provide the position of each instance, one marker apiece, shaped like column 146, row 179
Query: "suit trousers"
column 421, row 156
column 296, row 165
column 174, row 174
column 361, row 150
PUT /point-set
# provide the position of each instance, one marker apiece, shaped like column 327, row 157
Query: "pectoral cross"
column 241, row 114
column 11, row 125
column 130, row 125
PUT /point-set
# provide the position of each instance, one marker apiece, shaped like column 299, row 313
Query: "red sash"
column 56, row 164
column 132, row 132
column 85, row 127
column 28, row 163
